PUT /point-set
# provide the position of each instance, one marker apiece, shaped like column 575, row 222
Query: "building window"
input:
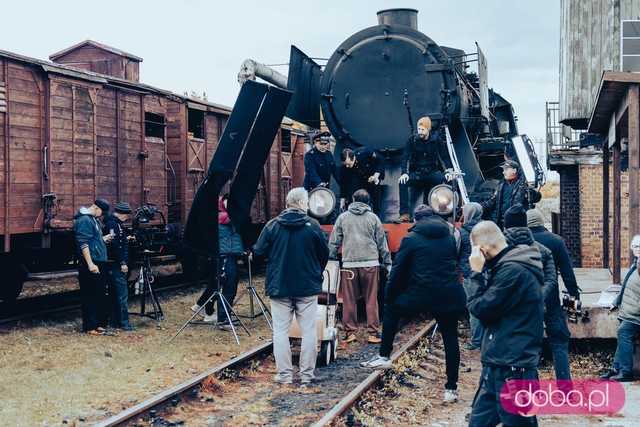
column 285, row 138
column 154, row 125
column 196, row 124
column 630, row 46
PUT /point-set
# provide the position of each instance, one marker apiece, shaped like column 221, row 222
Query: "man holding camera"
column 424, row 165
column 92, row 254
column 118, row 252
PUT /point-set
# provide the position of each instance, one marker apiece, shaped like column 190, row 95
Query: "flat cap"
column 102, row 204
column 510, row 164
column 122, row 207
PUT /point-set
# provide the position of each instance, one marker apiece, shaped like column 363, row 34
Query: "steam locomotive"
column 383, row 78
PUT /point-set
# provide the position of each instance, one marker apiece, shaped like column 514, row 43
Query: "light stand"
column 254, row 296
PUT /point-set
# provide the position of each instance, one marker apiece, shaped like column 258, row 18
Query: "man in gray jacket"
column 364, row 243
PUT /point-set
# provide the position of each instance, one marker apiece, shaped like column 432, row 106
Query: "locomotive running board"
column 255, row 154
column 201, row 229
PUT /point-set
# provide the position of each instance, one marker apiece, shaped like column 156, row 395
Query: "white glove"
column 404, row 178
column 375, row 178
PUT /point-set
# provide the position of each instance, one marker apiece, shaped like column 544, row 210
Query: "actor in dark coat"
column 423, row 279
column 512, row 190
column 319, row 165
column 507, row 298
column 362, row 168
column 556, row 245
column 555, row 320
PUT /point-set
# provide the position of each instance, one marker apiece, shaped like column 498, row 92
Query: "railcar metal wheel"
column 324, row 356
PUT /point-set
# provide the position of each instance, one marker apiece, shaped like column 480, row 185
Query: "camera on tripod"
column 573, row 307
column 149, row 235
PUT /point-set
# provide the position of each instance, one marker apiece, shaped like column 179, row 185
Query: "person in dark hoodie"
column 424, row 279
column 361, row 235
column 118, row 251
column 507, row 298
column 555, row 321
column 512, row 190
column 297, row 253
column 628, row 301
column 230, row 247
column 556, row 245
column 92, row 254
column 472, row 214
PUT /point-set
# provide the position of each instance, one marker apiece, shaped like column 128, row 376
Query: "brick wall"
column 590, row 212
column 570, row 211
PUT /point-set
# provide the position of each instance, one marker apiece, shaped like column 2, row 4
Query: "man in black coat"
column 118, row 251
column 555, row 321
column 297, row 253
column 424, row 164
column 362, row 168
column 508, row 301
column 512, row 190
column 558, row 249
column 319, row 165
column 423, row 279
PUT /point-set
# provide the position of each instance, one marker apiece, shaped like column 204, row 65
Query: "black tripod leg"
column 265, row 311
column 183, row 327
column 223, row 302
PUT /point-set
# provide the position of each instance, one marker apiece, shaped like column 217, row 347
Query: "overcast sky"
column 199, row 45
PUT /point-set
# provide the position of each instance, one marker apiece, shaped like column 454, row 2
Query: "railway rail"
column 172, row 401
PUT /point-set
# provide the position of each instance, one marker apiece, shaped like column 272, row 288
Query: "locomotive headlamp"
column 322, row 201
column 442, row 199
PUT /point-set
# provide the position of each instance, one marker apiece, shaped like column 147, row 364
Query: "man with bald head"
column 505, row 295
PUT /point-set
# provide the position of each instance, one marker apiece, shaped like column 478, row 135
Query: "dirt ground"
column 51, row 374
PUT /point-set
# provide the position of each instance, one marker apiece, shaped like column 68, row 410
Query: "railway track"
column 236, row 390
column 26, row 308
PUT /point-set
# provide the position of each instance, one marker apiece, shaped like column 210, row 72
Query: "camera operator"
column 91, row 267
column 424, row 279
column 507, row 298
column 230, row 247
column 117, row 269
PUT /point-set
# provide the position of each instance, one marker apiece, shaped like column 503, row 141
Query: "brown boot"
column 374, row 339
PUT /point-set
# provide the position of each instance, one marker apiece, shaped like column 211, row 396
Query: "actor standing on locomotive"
column 424, row 165
column 318, row 163
column 511, row 191
column 362, row 168
column 118, row 251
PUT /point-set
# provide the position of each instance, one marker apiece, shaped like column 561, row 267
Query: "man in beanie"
column 556, row 245
column 424, row 279
column 472, row 214
column 92, row 254
column 424, row 164
column 555, row 322
column 512, row 190
column 118, row 253
column 360, row 234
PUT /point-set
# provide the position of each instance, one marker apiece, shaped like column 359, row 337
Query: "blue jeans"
column 558, row 335
column 119, row 292
column 476, row 327
column 623, row 359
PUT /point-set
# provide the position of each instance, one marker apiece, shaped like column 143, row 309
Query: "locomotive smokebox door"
column 364, row 82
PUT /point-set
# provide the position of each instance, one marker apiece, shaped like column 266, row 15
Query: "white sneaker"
column 377, row 362
column 450, row 396
column 195, row 308
column 210, row 318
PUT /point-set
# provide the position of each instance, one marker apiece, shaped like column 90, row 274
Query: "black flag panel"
column 256, row 152
column 304, row 82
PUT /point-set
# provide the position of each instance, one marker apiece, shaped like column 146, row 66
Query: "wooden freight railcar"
column 83, row 127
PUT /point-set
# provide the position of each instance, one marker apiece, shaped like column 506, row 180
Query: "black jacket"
column 465, row 247
column 297, row 252
column 561, row 257
column 508, row 301
column 506, row 195
column 422, row 157
column 318, row 168
column 368, row 162
column 425, row 267
column 550, row 292
column 118, row 248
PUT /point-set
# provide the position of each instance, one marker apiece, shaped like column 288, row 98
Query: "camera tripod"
column 223, row 303
column 254, row 297
column 143, row 287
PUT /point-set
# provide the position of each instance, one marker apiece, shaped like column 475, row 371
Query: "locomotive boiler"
column 383, row 78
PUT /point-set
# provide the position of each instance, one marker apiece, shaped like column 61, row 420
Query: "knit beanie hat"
column 515, row 216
